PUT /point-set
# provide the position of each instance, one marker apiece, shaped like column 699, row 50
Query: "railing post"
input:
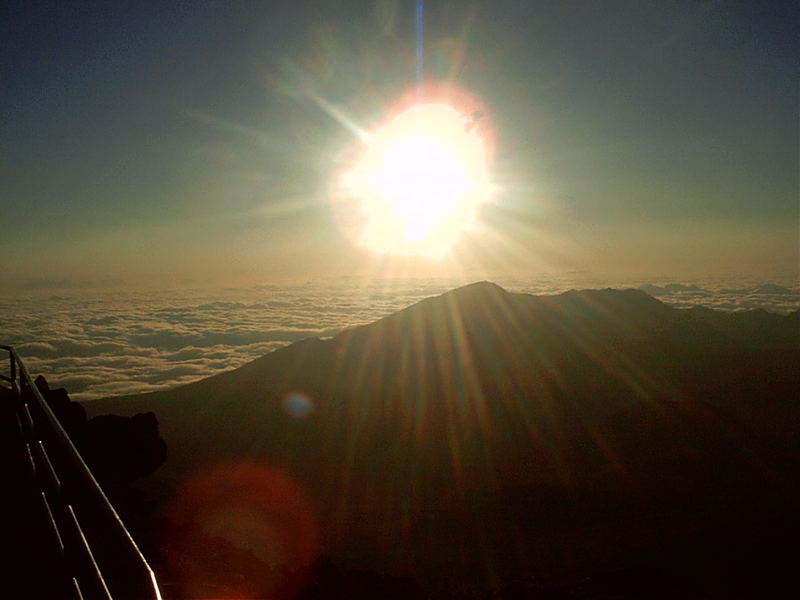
column 100, row 544
column 13, row 360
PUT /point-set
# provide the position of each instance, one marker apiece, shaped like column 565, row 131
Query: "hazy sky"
column 173, row 141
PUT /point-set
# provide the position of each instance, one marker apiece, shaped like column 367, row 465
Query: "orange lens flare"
column 240, row 530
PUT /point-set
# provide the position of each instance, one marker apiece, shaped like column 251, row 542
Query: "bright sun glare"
column 419, row 183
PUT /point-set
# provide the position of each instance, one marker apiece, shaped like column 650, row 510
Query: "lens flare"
column 298, row 405
column 240, row 530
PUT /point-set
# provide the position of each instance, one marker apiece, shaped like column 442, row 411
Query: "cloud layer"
column 126, row 343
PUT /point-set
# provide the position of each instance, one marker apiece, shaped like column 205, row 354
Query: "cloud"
column 170, row 340
column 103, row 320
column 128, row 342
column 68, row 347
column 769, row 296
column 37, row 349
column 674, row 288
column 133, row 342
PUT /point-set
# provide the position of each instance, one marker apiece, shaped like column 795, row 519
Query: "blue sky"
column 163, row 142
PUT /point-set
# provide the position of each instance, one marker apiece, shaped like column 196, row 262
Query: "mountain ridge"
column 595, row 407
column 587, row 325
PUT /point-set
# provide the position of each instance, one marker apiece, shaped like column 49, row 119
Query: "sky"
column 168, row 144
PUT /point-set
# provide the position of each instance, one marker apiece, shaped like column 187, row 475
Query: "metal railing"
column 96, row 554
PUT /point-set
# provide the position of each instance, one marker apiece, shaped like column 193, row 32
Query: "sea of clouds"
column 98, row 344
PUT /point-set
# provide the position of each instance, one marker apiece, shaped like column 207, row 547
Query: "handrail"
column 21, row 381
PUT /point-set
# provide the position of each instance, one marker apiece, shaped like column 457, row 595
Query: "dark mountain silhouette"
column 482, row 438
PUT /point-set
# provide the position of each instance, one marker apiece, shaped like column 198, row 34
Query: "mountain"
column 486, row 437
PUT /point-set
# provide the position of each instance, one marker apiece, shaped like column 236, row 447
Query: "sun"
column 419, row 182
